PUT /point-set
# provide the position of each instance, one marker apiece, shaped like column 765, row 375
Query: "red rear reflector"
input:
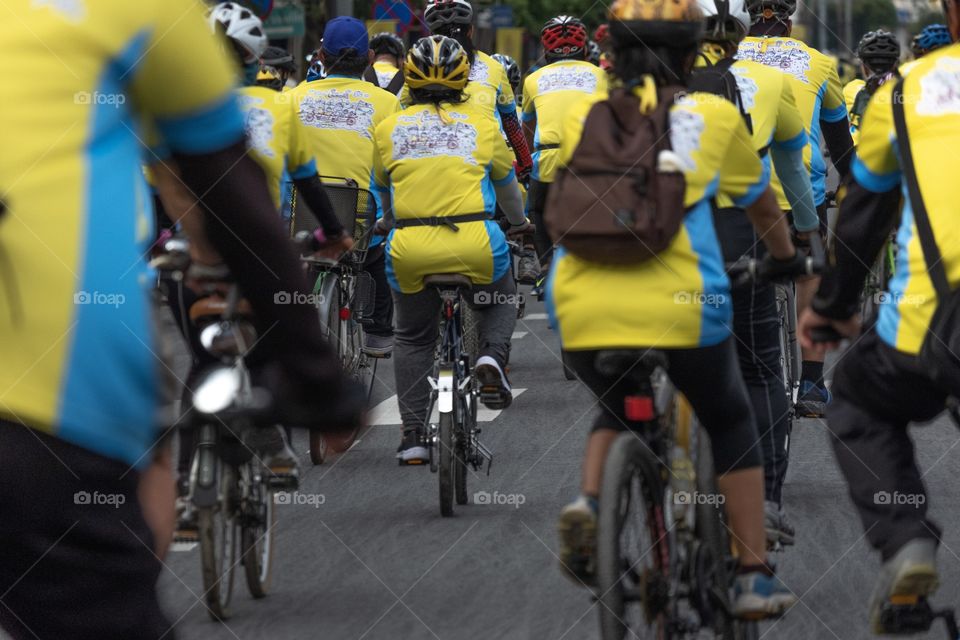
column 344, row 314
column 638, row 408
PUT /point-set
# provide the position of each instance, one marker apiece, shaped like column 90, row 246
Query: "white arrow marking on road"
column 518, row 334
column 183, row 546
column 388, row 412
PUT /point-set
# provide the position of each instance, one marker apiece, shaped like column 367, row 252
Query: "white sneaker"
column 494, row 387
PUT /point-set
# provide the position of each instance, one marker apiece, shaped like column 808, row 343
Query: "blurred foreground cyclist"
column 601, row 306
column 83, row 462
column 894, row 375
column 442, row 167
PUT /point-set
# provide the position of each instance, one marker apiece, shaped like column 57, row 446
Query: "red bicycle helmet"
column 564, row 37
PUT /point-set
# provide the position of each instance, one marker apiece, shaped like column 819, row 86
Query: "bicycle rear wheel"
column 447, row 456
column 217, row 526
column 257, row 540
column 470, row 323
column 463, row 445
column 328, row 288
column 632, row 544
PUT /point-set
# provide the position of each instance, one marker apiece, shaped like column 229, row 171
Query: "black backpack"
column 719, row 80
column 394, row 86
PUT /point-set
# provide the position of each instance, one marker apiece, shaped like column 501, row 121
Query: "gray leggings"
column 418, row 326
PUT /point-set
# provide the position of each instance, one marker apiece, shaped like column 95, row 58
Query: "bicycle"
column 453, row 442
column 230, row 490
column 344, row 294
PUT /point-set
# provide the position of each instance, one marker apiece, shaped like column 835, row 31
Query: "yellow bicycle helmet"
column 677, row 23
column 436, row 63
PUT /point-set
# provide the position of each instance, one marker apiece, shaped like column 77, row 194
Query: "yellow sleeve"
column 528, row 112
column 184, row 81
column 876, row 167
column 404, row 97
column 833, row 109
column 381, row 151
column 790, row 132
column 743, row 176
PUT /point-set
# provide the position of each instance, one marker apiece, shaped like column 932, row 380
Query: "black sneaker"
column 528, row 268
column 412, row 450
column 813, row 400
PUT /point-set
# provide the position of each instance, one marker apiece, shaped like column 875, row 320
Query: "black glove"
column 774, row 270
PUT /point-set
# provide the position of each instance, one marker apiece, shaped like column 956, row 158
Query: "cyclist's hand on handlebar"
column 382, row 227
column 772, row 269
column 822, row 334
column 516, row 230
column 334, row 247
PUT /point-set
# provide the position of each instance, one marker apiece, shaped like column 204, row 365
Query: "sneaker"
column 377, row 346
column 577, row 528
column 528, row 268
column 779, row 530
column 284, row 466
column 538, row 287
column 757, row 595
column 494, row 386
column 813, row 400
column 909, row 575
column 412, row 449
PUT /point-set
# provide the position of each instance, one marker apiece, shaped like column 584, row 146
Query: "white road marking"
column 388, row 412
column 183, row 546
column 518, row 334
column 535, row 316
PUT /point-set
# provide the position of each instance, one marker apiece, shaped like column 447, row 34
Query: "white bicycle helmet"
column 725, row 20
column 243, row 28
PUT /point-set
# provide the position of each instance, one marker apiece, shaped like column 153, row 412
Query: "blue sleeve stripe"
column 757, row 189
column 527, row 116
column 506, row 180
column 834, row 115
column 209, row 129
column 871, row 181
column 799, row 141
column 305, row 170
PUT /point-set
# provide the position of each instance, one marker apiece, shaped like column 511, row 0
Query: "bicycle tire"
column 462, row 445
column 257, row 544
column 218, row 552
column 630, row 468
column 786, row 367
column 712, row 532
column 446, row 465
column 470, row 325
column 328, row 310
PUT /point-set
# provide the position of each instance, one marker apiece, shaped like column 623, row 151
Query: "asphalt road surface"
column 370, row 557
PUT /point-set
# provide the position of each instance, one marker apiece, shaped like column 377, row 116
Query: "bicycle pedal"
column 412, row 463
column 186, row 536
column 906, row 615
column 283, row 481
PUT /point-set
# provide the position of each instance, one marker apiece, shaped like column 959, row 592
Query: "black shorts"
column 76, row 556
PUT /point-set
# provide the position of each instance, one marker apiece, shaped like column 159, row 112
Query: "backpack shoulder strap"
column 371, row 76
column 931, row 253
column 396, row 83
column 720, row 80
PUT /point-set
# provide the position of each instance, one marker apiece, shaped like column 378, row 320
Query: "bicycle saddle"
column 635, row 362
column 448, row 281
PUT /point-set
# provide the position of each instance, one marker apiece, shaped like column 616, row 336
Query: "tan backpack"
column 611, row 204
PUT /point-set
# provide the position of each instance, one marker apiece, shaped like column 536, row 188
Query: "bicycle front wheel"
column 447, row 463
column 632, row 544
column 257, row 540
column 217, row 525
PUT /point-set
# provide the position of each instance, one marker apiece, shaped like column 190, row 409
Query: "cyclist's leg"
column 756, row 329
column 874, row 450
column 536, row 202
column 418, row 317
column 814, row 395
column 495, row 305
column 79, row 538
column 378, row 336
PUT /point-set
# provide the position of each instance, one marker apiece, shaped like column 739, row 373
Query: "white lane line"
column 518, row 334
column 534, row 316
column 388, row 412
column 183, row 546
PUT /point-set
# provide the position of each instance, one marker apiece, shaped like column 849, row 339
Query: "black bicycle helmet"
column 279, row 58
column 879, row 50
column 442, row 15
column 511, row 67
column 389, row 44
column 767, row 9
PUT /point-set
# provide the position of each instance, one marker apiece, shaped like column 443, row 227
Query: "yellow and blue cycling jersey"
column 850, row 92
column 816, row 89
column 75, row 341
column 385, row 72
column 549, row 93
column 681, row 297
column 443, row 162
column 767, row 97
column 932, row 108
column 333, row 121
column 267, row 120
column 488, row 88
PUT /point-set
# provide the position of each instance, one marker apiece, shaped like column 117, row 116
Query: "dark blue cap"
column 345, row 33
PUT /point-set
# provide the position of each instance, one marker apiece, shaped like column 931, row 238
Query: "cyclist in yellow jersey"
column 677, row 302
column 489, row 86
column 334, row 119
column 384, row 71
column 79, row 381
column 879, row 385
column 549, row 94
column 442, row 168
column 765, row 98
column 879, row 53
column 816, row 88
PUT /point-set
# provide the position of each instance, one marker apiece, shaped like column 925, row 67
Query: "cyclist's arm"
column 183, row 209
column 319, row 203
column 835, row 125
column 511, row 126
column 771, row 226
column 796, row 186
column 511, row 202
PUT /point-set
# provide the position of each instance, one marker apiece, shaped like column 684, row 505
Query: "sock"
column 812, row 371
column 759, row 568
column 592, row 501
